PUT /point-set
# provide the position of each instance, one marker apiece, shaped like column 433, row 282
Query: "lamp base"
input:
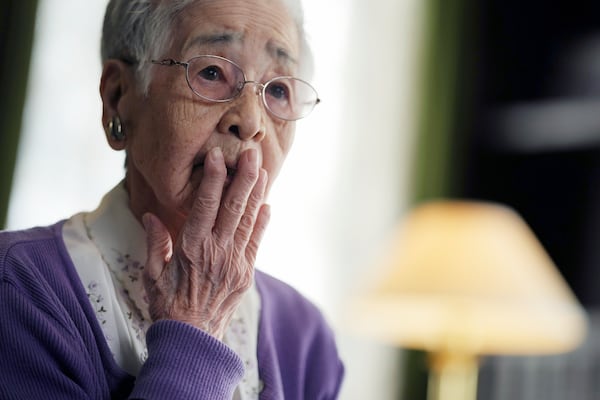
column 453, row 376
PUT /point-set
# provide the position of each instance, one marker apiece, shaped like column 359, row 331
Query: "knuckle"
column 255, row 197
column 248, row 175
column 207, row 202
column 235, row 204
column 251, row 176
column 246, row 223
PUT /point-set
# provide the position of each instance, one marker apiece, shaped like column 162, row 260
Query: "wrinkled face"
column 171, row 130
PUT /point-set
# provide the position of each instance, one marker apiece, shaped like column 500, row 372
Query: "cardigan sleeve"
column 49, row 346
column 180, row 357
column 42, row 358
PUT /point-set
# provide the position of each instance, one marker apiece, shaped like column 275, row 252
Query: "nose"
column 245, row 115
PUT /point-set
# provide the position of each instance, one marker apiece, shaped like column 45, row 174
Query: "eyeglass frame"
column 169, row 62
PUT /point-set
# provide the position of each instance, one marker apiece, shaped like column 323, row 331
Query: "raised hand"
column 200, row 277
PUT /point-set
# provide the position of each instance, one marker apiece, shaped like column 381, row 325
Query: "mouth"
column 230, row 174
column 230, row 165
column 231, row 171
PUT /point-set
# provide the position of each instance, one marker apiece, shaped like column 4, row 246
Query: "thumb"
column 159, row 244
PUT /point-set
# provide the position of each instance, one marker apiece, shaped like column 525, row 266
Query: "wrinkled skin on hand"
column 200, row 276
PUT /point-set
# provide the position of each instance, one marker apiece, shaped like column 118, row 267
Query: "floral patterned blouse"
column 108, row 248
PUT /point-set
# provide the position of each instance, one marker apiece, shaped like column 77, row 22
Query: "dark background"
column 17, row 22
column 529, row 52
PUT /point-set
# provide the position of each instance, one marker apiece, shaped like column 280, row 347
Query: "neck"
column 142, row 200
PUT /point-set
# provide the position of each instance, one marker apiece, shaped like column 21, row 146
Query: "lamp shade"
column 471, row 277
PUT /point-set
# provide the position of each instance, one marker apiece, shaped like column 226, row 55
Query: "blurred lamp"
column 464, row 279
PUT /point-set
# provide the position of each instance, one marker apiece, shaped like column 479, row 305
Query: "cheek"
column 163, row 150
column 287, row 138
column 275, row 150
column 171, row 132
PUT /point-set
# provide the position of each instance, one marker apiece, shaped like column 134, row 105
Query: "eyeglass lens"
column 218, row 79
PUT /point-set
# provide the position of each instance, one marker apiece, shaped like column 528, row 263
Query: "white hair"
column 138, row 31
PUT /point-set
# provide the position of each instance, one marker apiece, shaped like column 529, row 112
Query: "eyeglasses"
column 220, row 80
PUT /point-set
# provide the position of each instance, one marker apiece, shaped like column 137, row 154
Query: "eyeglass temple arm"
column 169, row 62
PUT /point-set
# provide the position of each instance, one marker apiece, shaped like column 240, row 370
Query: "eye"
column 211, row 73
column 279, row 91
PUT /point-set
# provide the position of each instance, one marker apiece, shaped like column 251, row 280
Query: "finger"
column 234, row 203
column 255, row 201
column 260, row 227
column 208, row 195
column 159, row 246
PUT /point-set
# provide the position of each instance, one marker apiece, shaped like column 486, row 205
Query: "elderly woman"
column 154, row 294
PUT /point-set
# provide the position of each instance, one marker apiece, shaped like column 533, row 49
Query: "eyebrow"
column 224, row 38
column 281, row 54
column 214, row 39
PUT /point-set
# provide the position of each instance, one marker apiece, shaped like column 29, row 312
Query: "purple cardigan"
column 52, row 346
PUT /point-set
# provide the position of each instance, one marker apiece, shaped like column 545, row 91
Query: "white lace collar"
column 108, row 248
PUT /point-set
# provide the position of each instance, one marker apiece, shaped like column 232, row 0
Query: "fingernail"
column 215, row 154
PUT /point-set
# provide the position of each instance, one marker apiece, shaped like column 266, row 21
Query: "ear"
column 116, row 82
